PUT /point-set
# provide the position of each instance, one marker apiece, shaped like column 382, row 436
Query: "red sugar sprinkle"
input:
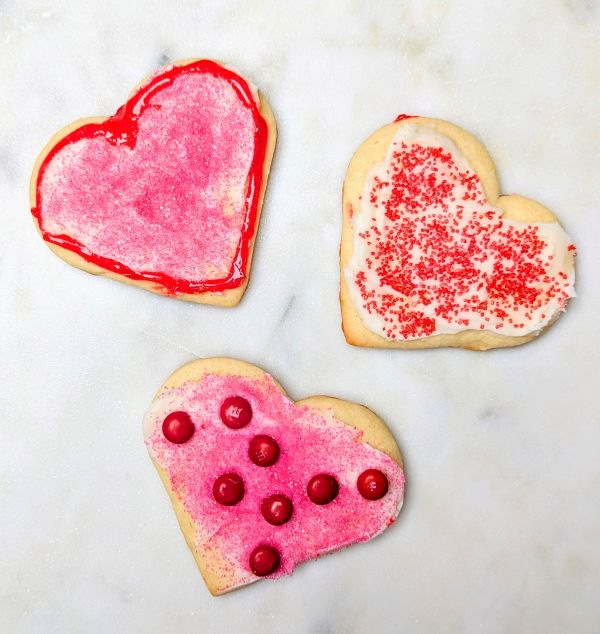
column 480, row 268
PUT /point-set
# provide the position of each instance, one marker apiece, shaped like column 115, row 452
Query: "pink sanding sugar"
column 173, row 203
column 310, row 443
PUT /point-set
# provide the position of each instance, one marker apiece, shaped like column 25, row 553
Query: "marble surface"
column 501, row 528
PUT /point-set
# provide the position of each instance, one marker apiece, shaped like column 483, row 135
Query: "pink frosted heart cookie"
column 432, row 255
column 260, row 483
column 166, row 194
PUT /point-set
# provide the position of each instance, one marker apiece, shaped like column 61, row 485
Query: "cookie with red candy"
column 432, row 255
column 261, row 483
column 166, row 194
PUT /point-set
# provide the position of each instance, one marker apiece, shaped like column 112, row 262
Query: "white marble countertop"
column 501, row 528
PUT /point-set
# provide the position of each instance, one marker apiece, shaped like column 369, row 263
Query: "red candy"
column 372, row 484
column 228, row 489
column 264, row 560
column 322, row 488
column 236, row 412
column 178, row 427
column 277, row 509
column 263, row 450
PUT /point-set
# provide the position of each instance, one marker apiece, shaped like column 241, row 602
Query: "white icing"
column 368, row 215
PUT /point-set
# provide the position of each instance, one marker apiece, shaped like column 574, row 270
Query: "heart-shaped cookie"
column 166, row 194
column 260, row 483
column 433, row 256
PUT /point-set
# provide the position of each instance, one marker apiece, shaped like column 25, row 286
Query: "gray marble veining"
column 501, row 529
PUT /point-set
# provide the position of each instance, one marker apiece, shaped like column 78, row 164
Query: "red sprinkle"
column 236, row 412
column 372, row 484
column 264, row 560
column 263, row 450
column 322, row 488
column 178, row 427
column 480, row 268
column 277, row 509
column 228, row 489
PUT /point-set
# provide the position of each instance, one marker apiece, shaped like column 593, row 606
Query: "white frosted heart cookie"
column 432, row 255
column 260, row 483
column 166, row 194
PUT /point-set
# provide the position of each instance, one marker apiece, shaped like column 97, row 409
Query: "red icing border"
column 121, row 128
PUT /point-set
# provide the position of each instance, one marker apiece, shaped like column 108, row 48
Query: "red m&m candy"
column 264, row 560
column 236, row 412
column 277, row 509
column 322, row 488
column 178, row 427
column 372, row 484
column 228, row 489
column 263, row 450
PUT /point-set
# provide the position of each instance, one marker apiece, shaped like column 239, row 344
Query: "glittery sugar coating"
column 432, row 255
column 310, row 442
column 167, row 189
